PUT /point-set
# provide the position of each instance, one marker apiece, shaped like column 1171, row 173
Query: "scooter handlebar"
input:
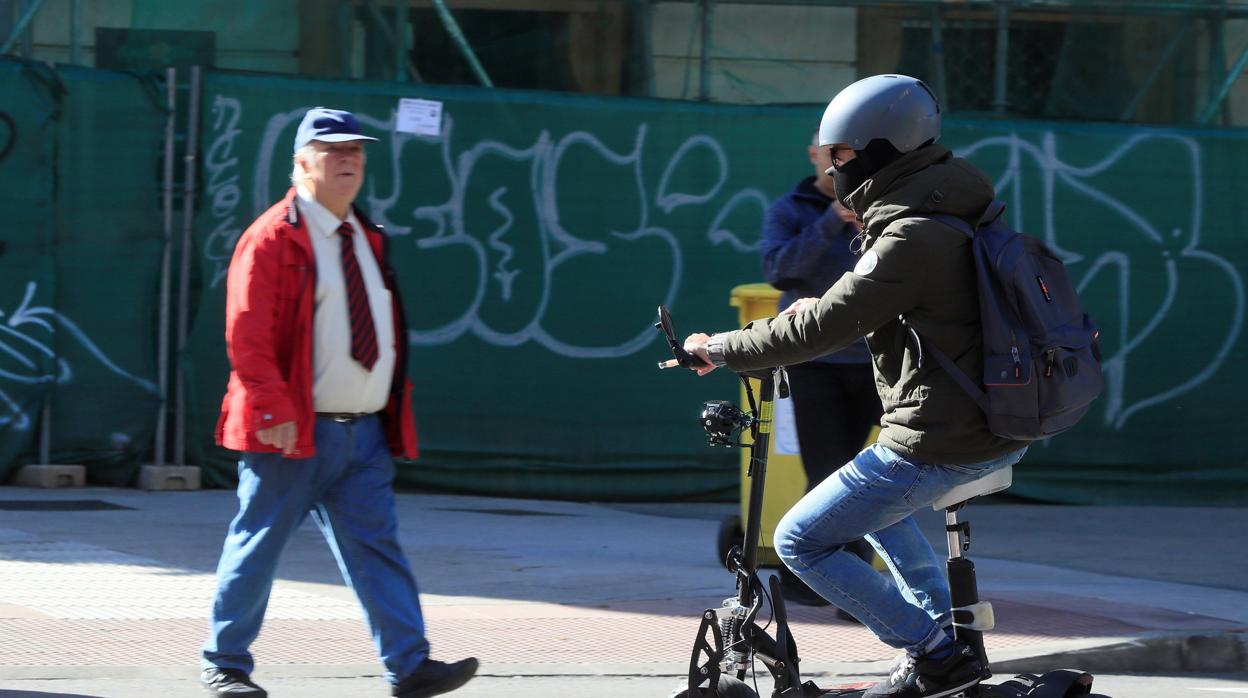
column 683, row 359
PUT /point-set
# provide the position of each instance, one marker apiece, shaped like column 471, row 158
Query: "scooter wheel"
column 729, row 687
column 730, row 534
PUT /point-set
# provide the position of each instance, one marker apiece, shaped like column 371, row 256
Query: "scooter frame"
column 728, row 638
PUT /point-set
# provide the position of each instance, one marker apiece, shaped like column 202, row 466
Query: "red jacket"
column 269, row 299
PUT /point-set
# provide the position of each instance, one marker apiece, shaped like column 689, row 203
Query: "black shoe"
column 230, row 683
column 434, row 678
column 932, row 678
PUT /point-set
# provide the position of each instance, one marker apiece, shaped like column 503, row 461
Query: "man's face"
column 821, row 158
column 839, row 154
column 336, row 169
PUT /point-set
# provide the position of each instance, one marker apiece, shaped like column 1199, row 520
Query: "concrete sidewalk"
column 114, row 582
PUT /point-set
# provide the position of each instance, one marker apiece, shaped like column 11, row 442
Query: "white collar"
column 324, row 220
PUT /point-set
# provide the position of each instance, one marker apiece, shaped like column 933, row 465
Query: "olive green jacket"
column 913, row 266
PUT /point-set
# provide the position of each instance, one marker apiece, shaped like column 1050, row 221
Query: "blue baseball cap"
column 330, row 126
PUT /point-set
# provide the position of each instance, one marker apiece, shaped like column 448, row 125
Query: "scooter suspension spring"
column 735, row 652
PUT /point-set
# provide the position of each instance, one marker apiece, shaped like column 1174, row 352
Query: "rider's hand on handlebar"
column 798, row 306
column 696, row 344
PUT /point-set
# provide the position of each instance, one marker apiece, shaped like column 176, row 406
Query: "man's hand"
column 283, row 436
column 798, row 306
column 843, row 212
column 696, row 344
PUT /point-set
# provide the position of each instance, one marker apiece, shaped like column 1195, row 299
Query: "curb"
column 1168, row 653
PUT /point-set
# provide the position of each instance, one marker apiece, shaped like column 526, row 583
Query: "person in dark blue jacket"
column 808, row 243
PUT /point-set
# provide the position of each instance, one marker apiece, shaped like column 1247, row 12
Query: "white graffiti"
column 499, row 222
column 26, row 341
column 494, row 252
column 1173, row 246
column 221, row 186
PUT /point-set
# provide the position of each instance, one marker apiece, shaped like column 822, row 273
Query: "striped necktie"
column 363, row 334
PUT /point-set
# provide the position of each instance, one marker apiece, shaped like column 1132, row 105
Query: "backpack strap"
column 959, row 376
column 990, row 214
column 956, row 223
column 994, row 210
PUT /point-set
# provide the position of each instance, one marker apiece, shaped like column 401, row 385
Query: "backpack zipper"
column 1044, row 288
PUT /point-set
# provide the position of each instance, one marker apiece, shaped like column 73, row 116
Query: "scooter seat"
column 995, row 481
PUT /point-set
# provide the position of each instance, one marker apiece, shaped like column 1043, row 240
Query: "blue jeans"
column 347, row 487
column 874, row 496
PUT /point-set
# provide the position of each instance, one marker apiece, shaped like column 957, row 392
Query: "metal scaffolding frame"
column 393, row 25
column 1214, row 12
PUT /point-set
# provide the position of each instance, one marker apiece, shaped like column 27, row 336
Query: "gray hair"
column 296, row 172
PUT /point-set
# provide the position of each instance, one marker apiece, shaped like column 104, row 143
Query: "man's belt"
column 345, row 417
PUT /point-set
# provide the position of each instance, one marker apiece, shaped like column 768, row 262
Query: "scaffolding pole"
column 643, row 17
column 32, row 9
column 400, row 40
column 1225, row 88
column 166, row 263
column 448, row 20
column 346, row 27
column 75, row 32
column 938, row 58
column 1217, row 56
column 1166, row 54
column 1000, row 93
column 384, row 27
column 705, row 16
column 184, row 285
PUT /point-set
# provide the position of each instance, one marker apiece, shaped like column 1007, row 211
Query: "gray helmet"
column 897, row 108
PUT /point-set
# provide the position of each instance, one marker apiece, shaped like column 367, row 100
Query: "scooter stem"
column 757, row 472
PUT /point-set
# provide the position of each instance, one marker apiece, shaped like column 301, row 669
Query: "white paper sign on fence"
column 422, row 117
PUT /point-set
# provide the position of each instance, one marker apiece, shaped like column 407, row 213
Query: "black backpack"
column 1042, row 364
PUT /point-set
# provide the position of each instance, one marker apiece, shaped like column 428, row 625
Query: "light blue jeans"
column 874, row 496
column 347, row 488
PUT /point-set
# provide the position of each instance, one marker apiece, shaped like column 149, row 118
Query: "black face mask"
column 849, row 177
column 878, row 154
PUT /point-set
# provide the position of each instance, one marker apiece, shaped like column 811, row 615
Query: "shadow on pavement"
column 41, row 694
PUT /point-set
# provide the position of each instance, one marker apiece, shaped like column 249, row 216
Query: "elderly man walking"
column 318, row 402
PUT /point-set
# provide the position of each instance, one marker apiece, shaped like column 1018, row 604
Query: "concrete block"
column 169, row 477
column 49, row 476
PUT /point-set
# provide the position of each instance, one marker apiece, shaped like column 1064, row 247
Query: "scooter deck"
column 851, row 691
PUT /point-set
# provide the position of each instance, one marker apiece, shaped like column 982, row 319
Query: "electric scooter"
column 729, row 639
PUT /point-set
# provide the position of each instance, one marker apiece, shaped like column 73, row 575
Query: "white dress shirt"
column 339, row 382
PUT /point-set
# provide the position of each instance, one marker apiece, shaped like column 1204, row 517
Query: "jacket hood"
column 920, row 183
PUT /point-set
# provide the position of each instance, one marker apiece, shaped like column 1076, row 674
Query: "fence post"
column 158, row 475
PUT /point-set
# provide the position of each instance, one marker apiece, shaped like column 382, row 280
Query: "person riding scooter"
column 881, row 133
